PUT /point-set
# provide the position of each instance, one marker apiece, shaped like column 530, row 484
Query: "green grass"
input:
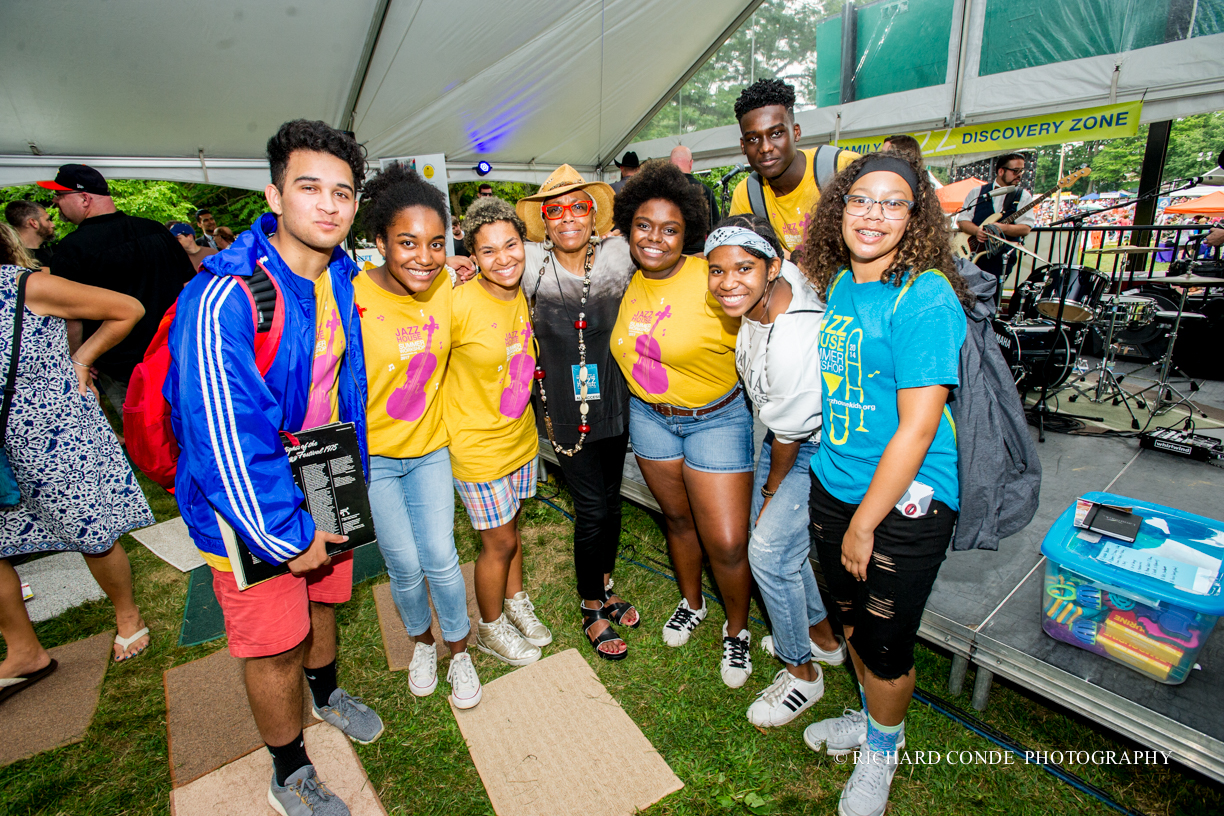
column 421, row 764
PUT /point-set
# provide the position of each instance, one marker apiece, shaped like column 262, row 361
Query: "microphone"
column 1002, row 191
column 739, row 168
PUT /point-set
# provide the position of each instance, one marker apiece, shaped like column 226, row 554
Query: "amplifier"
column 1184, row 443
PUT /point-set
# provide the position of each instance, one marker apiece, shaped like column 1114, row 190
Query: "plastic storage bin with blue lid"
column 1150, row 605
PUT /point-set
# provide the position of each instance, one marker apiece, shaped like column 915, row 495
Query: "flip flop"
column 11, row 685
column 124, row 642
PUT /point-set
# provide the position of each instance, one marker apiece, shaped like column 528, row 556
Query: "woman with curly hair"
column 885, row 491
column 689, row 423
column 574, row 285
column 405, row 308
column 488, row 412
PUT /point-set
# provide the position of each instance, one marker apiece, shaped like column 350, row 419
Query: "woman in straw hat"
column 574, row 282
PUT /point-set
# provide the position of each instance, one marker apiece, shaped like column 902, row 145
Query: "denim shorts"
column 717, row 442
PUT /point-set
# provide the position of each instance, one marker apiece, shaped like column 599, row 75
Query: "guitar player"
column 980, row 206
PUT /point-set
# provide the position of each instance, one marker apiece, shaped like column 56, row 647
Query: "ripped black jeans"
column 886, row 609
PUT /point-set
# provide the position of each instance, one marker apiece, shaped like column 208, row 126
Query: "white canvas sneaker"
column 423, row 670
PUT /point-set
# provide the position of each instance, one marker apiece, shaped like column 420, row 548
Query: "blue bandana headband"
column 739, row 236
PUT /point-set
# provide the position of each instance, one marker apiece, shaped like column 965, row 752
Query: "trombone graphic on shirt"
column 841, row 365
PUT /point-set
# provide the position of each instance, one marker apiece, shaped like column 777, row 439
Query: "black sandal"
column 592, row 616
column 617, row 611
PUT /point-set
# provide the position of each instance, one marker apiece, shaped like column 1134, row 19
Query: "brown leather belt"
column 676, row 411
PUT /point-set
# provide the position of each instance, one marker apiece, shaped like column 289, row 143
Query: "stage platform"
column 985, row 607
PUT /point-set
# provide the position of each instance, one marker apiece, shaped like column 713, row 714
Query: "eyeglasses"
column 58, row 194
column 894, row 209
column 579, row 209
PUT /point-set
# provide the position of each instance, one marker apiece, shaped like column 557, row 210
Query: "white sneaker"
column 423, row 670
column 683, row 621
column 737, row 659
column 866, row 794
column 520, row 611
column 841, row 735
column 833, row 658
column 465, row 685
column 785, row 699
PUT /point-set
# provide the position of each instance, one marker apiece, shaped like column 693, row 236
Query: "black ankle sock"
column 322, row 683
column 289, row 758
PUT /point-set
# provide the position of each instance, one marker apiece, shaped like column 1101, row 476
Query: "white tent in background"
column 165, row 90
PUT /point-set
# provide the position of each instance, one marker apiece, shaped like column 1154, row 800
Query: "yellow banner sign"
column 1105, row 122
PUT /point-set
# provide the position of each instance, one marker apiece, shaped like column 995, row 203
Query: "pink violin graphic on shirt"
column 318, row 408
column 648, row 371
column 409, row 400
column 517, row 394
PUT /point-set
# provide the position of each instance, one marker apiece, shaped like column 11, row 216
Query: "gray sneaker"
column 520, row 611
column 866, row 794
column 304, row 794
column 357, row 720
column 841, row 735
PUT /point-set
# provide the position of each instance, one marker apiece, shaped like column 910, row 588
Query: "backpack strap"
column 10, row 382
column 826, row 165
column 756, row 195
column 268, row 314
column 836, row 280
column 905, row 287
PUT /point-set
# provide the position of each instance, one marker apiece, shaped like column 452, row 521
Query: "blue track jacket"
column 227, row 418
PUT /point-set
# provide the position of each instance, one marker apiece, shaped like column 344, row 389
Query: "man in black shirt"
column 33, row 226
column 120, row 252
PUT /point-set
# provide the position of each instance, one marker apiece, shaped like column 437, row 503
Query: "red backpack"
column 146, row 414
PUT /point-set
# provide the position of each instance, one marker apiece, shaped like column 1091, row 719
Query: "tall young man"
column 232, row 467
column 790, row 178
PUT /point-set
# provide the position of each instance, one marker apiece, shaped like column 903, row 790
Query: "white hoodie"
column 779, row 363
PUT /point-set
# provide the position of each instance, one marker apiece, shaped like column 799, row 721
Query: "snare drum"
column 1083, row 287
column 1131, row 312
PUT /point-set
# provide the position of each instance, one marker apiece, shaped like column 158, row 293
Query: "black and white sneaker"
column 736, row 661
column 785, row 699
column 683, row 621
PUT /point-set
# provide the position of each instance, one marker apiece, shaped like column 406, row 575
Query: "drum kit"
column 1061, row 306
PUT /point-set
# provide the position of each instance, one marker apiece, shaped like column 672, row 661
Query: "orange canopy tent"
column 952, row 196
column 1212, row 204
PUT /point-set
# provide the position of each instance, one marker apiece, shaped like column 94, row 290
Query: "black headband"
column 890, row 164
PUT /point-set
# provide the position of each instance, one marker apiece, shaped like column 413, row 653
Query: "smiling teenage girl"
column 889, row 353
column 689, row 423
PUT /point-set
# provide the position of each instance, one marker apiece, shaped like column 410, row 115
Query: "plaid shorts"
column 492, row 504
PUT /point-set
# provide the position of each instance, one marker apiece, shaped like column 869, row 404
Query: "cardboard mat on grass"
column 208, row 718
column 532, row 730
column 58, row 709
column 202, row 618
column 60, row 582
column 241, row 787
column 171, row 542
column 396, row 643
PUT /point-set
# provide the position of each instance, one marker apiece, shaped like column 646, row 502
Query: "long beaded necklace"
column 583, row 378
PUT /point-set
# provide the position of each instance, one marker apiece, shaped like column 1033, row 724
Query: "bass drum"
column 1036, row 354
column 1200, row 343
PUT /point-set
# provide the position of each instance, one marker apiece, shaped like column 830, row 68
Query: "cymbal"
column 1177, row 280
column 1119, row 250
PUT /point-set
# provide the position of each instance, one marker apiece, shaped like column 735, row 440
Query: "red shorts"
column 274, row 616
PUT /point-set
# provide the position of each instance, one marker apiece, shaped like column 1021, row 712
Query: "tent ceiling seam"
column 349, row 113
column 398, row 47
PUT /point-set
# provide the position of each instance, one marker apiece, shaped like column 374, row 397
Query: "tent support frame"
column 1150, row 176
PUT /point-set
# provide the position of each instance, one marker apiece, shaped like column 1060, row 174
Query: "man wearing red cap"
column 120, row 252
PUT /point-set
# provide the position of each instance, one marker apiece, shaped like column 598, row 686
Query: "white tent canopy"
column 1172, row 79
column 161, row 90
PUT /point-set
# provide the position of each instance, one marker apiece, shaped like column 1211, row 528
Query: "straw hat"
column 563, row 180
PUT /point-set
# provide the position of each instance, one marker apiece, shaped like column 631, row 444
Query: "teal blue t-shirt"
column 876, row 338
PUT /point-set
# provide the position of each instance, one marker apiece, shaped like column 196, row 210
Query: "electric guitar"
column 967, row 246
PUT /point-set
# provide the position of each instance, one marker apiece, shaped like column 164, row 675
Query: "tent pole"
column 849, row 51
column 349, row 111
column 748, row 11
column 1150, row 176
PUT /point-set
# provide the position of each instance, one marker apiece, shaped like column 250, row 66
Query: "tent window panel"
column 902, row 45
column 1027, row 33
column 1208, row 18
column 828, row 70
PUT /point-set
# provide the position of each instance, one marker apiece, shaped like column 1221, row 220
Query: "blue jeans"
column 778, row 555
column 413, row 505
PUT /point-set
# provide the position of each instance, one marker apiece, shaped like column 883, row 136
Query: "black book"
column 1112, row 522
column 326, row 463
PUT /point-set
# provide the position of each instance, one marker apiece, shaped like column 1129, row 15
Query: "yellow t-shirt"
column 407, row 343
column 322, row 407
column 487, row 390
column 673, row 342
column 791, row 213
